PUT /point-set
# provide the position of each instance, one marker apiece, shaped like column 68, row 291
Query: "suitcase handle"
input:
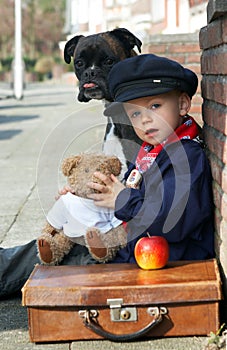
column 88, row 320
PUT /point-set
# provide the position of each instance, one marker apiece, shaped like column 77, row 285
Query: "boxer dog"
column 93, row 57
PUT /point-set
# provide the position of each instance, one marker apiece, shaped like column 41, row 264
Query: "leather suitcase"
column 122, row 302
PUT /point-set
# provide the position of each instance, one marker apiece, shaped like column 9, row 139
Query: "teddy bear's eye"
column 86, row 170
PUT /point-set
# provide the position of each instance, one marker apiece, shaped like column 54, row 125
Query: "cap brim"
column 116, row 107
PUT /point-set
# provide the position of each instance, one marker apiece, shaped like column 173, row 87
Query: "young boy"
column 170, row 194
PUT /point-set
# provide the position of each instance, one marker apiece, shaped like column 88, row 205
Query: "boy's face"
column 154, row 118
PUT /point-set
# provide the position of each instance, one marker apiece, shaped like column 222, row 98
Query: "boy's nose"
column 146, row 116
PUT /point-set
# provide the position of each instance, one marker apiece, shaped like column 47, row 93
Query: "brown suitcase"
column 122, row 302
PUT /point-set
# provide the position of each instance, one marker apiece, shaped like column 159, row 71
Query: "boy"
column 172, row 194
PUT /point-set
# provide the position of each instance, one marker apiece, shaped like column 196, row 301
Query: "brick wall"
column 185, row 49
column 206, row 54
column 213, row 40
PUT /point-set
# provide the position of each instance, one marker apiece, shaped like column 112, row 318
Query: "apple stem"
column 148, row 234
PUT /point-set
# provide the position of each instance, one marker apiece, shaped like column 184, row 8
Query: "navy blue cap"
column 148, row 75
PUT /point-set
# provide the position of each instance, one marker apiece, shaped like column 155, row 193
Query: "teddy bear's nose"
column 86, row 170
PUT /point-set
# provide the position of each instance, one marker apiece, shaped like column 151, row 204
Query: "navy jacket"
column 174, row 201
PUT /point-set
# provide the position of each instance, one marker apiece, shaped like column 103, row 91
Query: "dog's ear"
column 69, row 163
column 127, row 38
column 70, row 48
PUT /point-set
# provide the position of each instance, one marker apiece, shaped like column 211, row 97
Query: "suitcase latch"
column 119, row 313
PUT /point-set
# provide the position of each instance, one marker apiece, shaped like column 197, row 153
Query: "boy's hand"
column 63, row 191
column 108, row 192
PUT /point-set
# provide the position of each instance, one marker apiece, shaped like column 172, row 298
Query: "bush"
column 6, row 64
column 29, row 64
column 44, row 65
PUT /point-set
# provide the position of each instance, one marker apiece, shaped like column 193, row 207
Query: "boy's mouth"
column 151, row 131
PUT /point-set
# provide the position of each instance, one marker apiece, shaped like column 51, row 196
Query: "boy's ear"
column 184, row 104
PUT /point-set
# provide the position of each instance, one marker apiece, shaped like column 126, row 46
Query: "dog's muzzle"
column 92, row 90
column 93, row 86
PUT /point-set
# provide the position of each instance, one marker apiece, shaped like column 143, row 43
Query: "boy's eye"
column 155, row 105
column 134, row 114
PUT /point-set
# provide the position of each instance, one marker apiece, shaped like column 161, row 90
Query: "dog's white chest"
column 113, row 146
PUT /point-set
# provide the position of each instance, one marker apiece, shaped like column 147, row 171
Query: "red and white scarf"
column 147, row 153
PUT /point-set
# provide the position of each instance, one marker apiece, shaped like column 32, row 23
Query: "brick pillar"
column 213, row 42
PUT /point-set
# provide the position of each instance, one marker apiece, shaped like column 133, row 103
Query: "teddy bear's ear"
column 115, row 166
column 70, row 163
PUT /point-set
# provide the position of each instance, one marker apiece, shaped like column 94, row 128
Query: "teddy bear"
column 74, row 218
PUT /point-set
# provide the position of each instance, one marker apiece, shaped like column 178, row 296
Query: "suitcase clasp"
column 87, row 314
column 156, row 311
column 119, row 313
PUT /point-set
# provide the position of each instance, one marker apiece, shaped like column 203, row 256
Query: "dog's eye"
column 79, row 63
column 109, row 61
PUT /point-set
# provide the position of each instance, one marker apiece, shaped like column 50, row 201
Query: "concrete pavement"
column 35, row 134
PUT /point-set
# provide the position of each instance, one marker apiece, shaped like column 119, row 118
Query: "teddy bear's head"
column 80, row 170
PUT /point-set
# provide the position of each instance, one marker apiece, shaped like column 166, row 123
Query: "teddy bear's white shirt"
column 75, row 215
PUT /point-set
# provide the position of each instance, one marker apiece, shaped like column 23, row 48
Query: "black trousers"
column 17, row 263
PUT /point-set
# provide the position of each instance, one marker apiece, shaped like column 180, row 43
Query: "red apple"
column 151, row 252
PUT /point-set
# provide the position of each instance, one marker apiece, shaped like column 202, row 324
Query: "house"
column 142, row 17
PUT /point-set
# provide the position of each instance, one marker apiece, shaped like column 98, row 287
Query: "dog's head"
column 95, row 55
